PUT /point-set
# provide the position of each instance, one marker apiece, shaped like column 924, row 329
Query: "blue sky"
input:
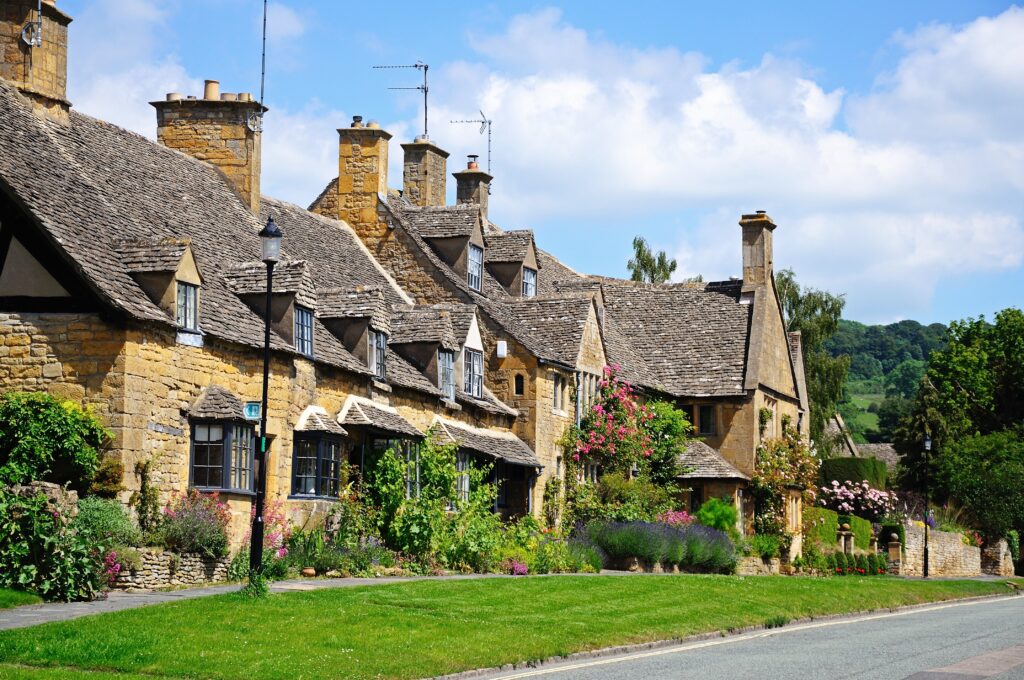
column 884, row 138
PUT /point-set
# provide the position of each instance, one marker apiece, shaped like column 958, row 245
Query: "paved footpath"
column 33, row 615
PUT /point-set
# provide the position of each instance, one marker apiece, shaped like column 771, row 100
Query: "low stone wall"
column 996, row 559
column 758, row 566
column 162, row 569
column 947, row 554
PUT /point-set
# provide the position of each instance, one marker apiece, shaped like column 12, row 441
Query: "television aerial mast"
column 420, row 66
column 485, row 124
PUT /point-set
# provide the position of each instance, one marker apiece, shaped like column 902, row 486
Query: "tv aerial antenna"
column 485, row 124
column 255, row 120
column 419, row 66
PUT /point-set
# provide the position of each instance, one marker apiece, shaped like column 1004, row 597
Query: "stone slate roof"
column 162, row 255
column 489, row 402
column 552, row 271
column 558, row 323
column 316, row 419
column 693, row 339
column 461, row 315
column 796, row 355
column 882, row 451
column 217, row 403
column 508, row 246
column 423, row 324
column 400, row 372
column 359, row 411
column 337, row 303
column 496, row 444
column 704, row 462
column 290, row 276
column 444, row 221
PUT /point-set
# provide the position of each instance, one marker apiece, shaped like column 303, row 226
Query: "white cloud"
column 283, row 23
column 894, row 190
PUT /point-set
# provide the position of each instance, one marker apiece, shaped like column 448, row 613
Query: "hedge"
column 890, row 529
column 861, row 529
column 825, row 531
column 854, row 470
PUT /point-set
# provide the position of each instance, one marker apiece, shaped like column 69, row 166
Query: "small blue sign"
column 252, row 410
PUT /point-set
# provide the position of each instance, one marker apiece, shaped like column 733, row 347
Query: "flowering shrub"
column 675, row 518
column 857, row 499
column 196, row 523
column 972, row 538
column 612, row 434
column 517, row 568
column 276, row 529
column 782, row 463
column 693, row 548
column 111, row 568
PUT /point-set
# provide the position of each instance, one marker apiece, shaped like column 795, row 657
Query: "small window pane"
column 476, row 267
column 243, row 447
column 529, row 282
column 305, row 467
column 462, row 481
column 519, row 387
column 474, row 373
column 706, row 420
column 446, row 373
column 378, row 354
column 304, row 330
column 188, row 306
column 208, row 456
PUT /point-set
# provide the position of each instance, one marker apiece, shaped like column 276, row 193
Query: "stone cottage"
column 131, row 280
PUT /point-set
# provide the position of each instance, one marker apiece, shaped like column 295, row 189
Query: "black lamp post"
column 927, row 505
column 270, row 236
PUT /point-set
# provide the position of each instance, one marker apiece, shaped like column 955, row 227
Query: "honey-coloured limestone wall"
column 947, row 554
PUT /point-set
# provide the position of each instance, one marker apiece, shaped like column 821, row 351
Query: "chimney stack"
column 473, row 185
column 758, row 262
column 362, row 175
column 34, row 53
column 424, row 172
column 222, row 129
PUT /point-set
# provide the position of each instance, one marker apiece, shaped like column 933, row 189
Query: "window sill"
column 189, row 338
column 378, row 385
column 451, row 405
column 224, row 492
column 307, row 497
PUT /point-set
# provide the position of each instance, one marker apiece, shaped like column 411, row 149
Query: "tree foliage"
column 646, row 265
column 985, row 474
column 815, row 313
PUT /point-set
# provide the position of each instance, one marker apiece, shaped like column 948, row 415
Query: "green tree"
column 815, row 313
column 903, row 380
column 926, row 418
column 985, row 475
column 645, row 265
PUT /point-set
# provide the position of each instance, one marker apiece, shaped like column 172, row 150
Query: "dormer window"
column 529, row 282
column 304, row 330
column 378, row 354
column 474, row 361
column 187, row 311
column 446, row 373
column 475, row 274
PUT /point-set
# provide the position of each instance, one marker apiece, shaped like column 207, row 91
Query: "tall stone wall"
column 947, row 554
column 996, row 558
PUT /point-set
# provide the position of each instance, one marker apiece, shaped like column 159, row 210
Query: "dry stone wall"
column 947, row 554
column 162, row 569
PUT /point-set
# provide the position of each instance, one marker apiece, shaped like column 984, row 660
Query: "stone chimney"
column 220, row 129
column 758, row 262
column 424, row 173
column 473, row 185
column 362, row 173
column 34, row 53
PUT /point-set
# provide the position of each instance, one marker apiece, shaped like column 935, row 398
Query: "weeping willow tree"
column 816, row 313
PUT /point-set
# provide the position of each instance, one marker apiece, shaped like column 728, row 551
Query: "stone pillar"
column 39, row 71
column 362, row 176
column 217, row 130
column 895, row 555
column 424, row 173
column 757, row 248
column 473, row 186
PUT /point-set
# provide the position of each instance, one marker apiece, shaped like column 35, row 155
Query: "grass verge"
column 16, row 598
column 435, row 627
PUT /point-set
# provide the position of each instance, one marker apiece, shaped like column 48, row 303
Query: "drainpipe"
column 579, row 385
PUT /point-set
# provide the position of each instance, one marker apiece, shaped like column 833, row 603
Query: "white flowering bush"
column 857, row 499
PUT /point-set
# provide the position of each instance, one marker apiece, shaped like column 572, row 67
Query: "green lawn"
column 434, row 627
column 16, row 598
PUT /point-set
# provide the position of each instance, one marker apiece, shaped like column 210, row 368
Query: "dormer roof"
column 143, row 256
column 508, row 246
column 452, row 221
column 290, row 277
column 370, row 303
column 217, row 403
column 423, row 325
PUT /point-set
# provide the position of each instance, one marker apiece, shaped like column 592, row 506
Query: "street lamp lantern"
column 927, row 443
column 271, row 236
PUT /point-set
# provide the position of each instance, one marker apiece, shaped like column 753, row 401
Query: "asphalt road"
column 946, row 642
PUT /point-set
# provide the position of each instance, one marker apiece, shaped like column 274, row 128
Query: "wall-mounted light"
column 502, row 349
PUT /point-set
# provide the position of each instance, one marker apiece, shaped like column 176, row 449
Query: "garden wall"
column 947, row 554
column 161, row 569
column 996, row 559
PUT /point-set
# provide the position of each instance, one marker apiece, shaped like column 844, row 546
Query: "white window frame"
column 475, row 268
column 529, row 282
column 378, row 354
column 462, row 479
column 473, row 366
column 446, row 373
column 187, row 310
column 303, row 330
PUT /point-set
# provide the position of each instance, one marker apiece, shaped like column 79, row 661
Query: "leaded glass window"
column 188, row 306
column 474, row 368
column 475, row 274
